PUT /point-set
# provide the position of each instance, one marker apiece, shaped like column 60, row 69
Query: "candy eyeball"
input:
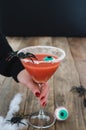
column 48, row 58
column 61, row 113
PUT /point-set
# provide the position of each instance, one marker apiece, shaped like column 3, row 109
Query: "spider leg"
column 81, row 90
column 18, row 124
column 8, row 120
column 34, row 56
column 22, row 123
column 81, row 94
column 9, row 57
column 12, row 123
column 31, row 59
column 73, row 89
column 84, row 100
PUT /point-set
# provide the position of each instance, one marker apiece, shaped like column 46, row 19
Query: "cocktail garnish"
column 81, row 91
column 61, row 113
column 21, row 55
column 48, row 58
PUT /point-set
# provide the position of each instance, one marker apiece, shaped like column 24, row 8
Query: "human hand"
column 25, row 78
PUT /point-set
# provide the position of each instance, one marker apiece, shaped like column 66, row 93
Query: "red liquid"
column 43, row 71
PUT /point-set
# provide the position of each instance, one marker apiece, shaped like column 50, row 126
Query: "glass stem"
column 41, row 111
column 41, row 114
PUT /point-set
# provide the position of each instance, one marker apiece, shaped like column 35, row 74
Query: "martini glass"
column 41, row 70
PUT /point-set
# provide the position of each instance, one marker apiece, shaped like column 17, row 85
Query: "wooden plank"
column 66, row 77
column 78, row 49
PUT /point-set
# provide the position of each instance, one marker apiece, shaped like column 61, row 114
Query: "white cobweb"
column 13, row 108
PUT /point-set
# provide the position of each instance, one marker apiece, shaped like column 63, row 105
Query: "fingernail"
column 37, row 94
column 44, row 104
column 42, row 97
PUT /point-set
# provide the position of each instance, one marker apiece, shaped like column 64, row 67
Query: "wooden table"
column 72, row 72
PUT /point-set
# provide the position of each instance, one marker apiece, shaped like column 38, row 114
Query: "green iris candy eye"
column 63, row 114
column 48, row 58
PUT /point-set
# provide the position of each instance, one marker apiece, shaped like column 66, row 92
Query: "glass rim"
column 59, row 59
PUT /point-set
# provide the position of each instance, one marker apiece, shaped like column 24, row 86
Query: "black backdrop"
column 1, row 7
column 43, row 17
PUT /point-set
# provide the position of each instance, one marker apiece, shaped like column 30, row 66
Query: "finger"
column 44, row 97
column 34, row 88
column 44, row 91
column 44, row 101
column 25, row 78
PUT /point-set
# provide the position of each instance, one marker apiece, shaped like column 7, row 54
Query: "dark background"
column 1, row 7
column 43, row 17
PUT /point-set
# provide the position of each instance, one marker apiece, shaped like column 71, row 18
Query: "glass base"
column 41, row 119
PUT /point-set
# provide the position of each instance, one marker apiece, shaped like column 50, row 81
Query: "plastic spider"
column 21, row 55
column 81, row 91
column 17, row 119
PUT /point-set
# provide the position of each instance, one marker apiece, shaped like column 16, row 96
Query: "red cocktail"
column 41, row 69
column 41, row 72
